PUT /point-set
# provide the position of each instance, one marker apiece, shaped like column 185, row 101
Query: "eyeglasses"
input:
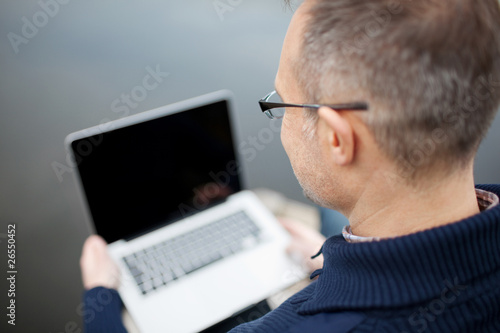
column 274, row 108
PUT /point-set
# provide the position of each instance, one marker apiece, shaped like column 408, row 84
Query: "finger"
column 93, row 244
column 292, row 226
column 302, row 232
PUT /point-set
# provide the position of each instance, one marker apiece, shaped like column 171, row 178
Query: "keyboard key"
column 138, row 279
column 167, row 276
column 178, row 272
column 146, row 286
column 135, row 271
column 186, row 266
column 157, row 282
column 129, row 258
column 234, row 246
column 197, row 263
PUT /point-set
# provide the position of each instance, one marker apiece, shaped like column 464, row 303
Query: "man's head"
column 430, row 71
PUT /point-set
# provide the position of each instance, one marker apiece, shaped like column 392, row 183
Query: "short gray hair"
column 430, row 71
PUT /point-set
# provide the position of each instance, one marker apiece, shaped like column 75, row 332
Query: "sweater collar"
column 485, row 200
column 407, row 270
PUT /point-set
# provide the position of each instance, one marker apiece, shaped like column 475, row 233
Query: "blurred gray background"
column 64, row 74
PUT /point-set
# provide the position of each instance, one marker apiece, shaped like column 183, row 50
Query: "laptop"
column 164, row 189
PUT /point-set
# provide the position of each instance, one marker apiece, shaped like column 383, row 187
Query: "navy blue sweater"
column 444, row 279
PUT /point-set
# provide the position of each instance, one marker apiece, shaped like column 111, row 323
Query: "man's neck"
column 390, row 211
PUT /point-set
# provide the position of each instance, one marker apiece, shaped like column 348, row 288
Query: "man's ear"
column 340, row 135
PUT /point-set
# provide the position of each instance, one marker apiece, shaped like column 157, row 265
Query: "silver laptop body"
column 163, row 187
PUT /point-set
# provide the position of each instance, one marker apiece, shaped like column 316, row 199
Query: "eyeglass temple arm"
column 348, row 106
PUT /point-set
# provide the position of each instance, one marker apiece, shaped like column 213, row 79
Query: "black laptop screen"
column 150, row 174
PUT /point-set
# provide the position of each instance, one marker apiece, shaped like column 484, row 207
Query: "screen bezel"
column 204, row 100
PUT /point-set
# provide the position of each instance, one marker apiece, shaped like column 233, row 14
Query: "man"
column 422, row 249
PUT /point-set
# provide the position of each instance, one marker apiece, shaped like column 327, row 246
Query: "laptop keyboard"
column 160, row 264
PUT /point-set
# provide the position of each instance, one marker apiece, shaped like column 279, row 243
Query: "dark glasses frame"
column 268, row 106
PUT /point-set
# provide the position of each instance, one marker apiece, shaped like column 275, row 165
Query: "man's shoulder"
column 282, row 318
column 324, row 321
column 286, row 318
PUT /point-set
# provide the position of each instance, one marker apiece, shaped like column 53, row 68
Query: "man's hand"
column 306, row 242
column 98, row 269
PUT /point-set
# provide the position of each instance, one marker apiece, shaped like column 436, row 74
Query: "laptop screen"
column 146, row 175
